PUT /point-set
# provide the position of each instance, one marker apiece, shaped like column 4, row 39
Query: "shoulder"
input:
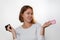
column 37, row 25
column 17, row 29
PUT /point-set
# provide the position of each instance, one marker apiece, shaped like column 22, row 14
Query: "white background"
column 44, row 10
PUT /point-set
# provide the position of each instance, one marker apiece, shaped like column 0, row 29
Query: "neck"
column 27, row 25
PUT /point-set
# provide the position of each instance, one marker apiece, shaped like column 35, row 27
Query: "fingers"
column 49, row 23
column 46, row 24
column 8, row 28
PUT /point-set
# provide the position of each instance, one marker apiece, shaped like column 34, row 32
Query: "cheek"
column 25, row 16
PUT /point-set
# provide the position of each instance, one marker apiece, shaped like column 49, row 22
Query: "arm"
column 12, row 30
column 13, row 34
column 42, row 31
column 43, row 27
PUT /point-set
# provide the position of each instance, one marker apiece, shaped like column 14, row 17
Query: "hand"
column 11, row 29
column 46, row 24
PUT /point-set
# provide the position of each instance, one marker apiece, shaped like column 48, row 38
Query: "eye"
column 30, row 13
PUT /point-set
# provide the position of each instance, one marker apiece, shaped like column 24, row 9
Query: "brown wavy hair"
column 23, row 9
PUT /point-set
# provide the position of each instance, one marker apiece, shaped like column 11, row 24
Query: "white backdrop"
column 44, row 10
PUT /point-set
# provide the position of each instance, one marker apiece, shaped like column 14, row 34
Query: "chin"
column 29, row 21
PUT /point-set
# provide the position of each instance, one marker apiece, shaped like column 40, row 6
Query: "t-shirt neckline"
column 28, row 27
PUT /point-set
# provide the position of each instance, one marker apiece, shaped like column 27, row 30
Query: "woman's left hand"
column 46, row 24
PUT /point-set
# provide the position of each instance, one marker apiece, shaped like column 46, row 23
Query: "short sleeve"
column 40, row 37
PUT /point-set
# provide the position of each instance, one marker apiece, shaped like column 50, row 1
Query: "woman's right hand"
column 12, row 30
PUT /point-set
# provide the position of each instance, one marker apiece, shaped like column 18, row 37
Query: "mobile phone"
column 7, row 26
column 53, row 21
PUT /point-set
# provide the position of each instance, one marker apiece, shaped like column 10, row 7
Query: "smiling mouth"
column 30, row 18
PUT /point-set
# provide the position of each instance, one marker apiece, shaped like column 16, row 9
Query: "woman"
column 30, row 30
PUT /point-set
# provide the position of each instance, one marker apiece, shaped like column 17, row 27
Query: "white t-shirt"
column 31, row 33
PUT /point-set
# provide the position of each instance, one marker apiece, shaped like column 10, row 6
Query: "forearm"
column 42, row 31
column 44, row 26
column 14, row 35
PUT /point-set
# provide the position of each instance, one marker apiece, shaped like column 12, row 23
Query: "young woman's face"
column 28, row 15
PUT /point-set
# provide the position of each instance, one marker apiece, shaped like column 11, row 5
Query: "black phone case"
column 7, row 26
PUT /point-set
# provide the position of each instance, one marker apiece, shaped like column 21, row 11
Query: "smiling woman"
column 29, row 30
column 27, row 10
column 43, row 10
